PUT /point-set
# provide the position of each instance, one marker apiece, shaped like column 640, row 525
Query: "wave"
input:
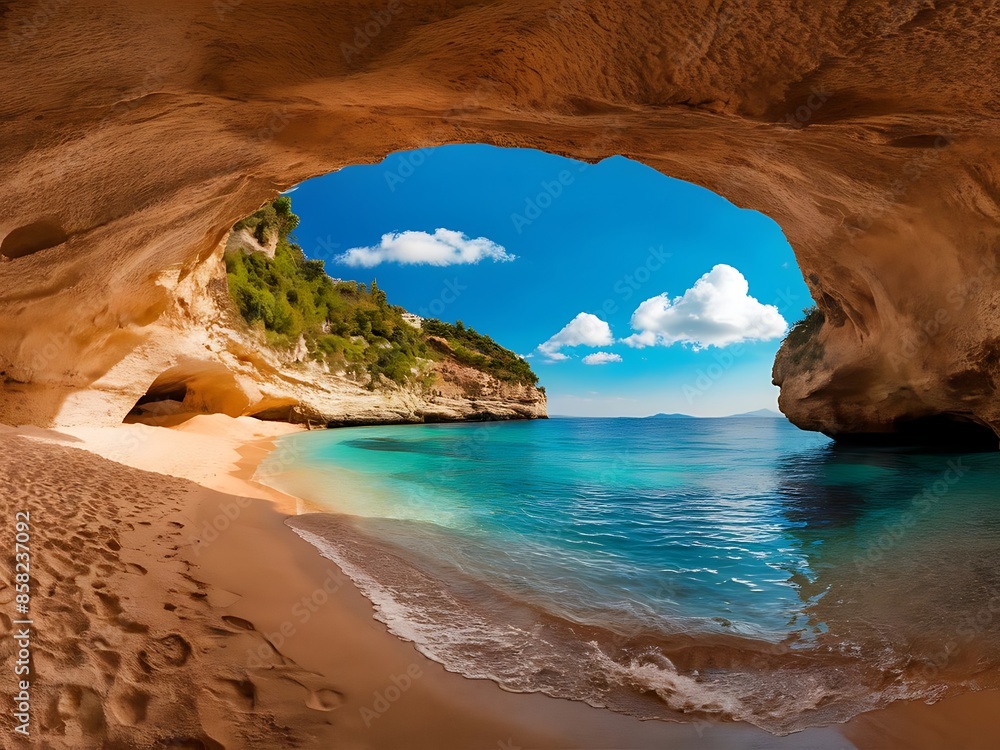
column 478, row 631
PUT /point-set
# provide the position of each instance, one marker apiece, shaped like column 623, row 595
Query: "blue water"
column 733, row 567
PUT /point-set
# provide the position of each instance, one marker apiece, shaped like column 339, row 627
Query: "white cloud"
column 601, row 358
column 443, row 248
column 584, row 330
column 717, row 311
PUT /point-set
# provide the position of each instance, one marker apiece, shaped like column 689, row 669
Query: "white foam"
column 481, row 635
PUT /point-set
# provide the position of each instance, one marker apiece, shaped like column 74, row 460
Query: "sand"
column 178, row 613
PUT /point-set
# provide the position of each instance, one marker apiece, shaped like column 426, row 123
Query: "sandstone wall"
column 133, row 135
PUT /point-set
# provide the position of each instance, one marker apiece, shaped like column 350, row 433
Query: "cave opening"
column 628, row 292
column 189, row 388
column 33, row 238
column 948, row 432
column 171, row 394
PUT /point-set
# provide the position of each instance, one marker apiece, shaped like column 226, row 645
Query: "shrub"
column 476, row 350
column 346, row 323
column 804, row 349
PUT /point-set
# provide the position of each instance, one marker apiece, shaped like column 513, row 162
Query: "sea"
column 733, row 569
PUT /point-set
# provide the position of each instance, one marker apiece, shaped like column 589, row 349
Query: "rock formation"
column 220, row 365
column 133, row 135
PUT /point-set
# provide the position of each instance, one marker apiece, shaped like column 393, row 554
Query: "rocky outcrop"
column 225, row 367
column 242, row 240
column 134, row 135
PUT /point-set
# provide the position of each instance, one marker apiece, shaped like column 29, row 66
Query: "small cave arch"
column 33, row 238
column 189, row 388
column 285, row 410
column 947, row 431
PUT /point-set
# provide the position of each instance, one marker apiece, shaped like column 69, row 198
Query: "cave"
column 884, row 179
column 939, row 432
column 32, row 238
column 191, row 387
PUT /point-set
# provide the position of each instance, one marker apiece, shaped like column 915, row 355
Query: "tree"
column 378, row 296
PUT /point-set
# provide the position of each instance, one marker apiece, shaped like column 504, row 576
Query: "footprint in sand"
column 171, row 651
column 193, row 743
column 80, row 705
column 324, row 699
column 238, row 622
column 110, row 602
column 241, row 693
column 112, row 659
column 129, row 706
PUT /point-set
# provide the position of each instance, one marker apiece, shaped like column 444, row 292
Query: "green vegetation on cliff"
column 479, row 351
column 270, row 220
column 803, row 348
column 348, row 324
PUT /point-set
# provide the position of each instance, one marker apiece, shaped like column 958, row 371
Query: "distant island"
column 758, row 414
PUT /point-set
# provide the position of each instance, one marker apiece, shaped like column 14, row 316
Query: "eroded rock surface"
column 133, row 135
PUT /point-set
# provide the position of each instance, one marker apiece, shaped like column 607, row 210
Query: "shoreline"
column 348, row 679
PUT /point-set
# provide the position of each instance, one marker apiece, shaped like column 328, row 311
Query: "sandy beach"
column 173, row 607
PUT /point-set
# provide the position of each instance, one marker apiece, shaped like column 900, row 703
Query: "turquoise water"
column 728, row 567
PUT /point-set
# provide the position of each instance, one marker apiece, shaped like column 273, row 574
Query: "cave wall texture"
column 133, row 134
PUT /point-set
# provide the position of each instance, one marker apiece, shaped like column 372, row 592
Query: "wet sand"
column 176, row 614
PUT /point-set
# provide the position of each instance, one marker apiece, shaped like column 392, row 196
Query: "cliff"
column 239, row 366
column 134, row 135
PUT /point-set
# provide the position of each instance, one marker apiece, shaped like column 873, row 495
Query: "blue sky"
column 534, row 240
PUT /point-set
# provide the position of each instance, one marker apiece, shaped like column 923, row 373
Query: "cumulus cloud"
column 584, row 330
column 717, row 311
column 601, row 358
column 443, row 248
